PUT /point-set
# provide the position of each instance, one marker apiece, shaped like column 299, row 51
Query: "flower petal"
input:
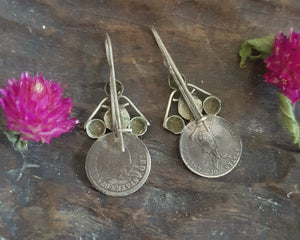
column 36, row 108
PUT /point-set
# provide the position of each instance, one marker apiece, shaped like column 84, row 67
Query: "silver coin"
column 211, row 148
column 114, row 172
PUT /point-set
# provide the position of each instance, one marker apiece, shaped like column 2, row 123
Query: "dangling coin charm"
column 114, row 172
column 210, row 153
column 118, row 163
column 209, row 145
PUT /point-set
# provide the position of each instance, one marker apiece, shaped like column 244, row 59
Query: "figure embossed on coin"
column 118, row 163
column 207, row 142
column 209, row 145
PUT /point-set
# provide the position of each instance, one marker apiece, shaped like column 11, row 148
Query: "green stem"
column 288, row 118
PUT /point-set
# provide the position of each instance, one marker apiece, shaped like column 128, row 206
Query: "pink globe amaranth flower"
column 284, row 65
column 35, row 108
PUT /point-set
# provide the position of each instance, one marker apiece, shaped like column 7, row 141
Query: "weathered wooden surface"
column 65, row 40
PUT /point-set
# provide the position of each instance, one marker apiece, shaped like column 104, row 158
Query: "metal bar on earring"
column 135, row 108
column 192, row 102
column 199, row 89
column 115, row 110
column 95, row 112
column 188, row 99
column 168, row 108
column 198, row 116
column 178, row 78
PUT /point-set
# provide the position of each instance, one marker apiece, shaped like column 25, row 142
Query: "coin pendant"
column 211, row 148
column 114, row 172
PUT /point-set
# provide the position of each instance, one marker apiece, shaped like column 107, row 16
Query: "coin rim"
column 129, row 191
column 145, row 126
column 210, row 97
column 198, row 173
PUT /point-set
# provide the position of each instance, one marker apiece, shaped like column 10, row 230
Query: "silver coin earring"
column 209, row 145
column 118, row 163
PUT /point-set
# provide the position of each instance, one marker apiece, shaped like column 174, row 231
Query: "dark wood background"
column 53, row 199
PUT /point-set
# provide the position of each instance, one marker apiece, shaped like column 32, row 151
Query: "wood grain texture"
column 65, row 40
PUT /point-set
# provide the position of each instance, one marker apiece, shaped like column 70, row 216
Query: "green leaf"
column 288, row 118
column 15, row 138
column 264, row 47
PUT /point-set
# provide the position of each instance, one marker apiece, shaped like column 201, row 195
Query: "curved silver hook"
column 178, row 78
column 115, row 110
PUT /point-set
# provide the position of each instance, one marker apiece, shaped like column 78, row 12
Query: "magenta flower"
column 35, row 108
column 284, row 65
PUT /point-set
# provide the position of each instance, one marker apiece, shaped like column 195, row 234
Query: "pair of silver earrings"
column 119, row 163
